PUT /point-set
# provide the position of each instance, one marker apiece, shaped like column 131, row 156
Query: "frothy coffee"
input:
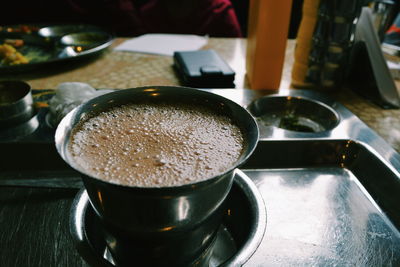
column 156, row 144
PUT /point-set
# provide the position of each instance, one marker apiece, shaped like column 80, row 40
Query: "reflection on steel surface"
column 322, row 217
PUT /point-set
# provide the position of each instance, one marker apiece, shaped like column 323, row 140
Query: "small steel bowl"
column 295, row 113
column 16, row 103
column 85, row 39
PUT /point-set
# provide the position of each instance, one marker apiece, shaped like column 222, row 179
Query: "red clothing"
column 126, row 17
column 212, row 17
column 129, row 17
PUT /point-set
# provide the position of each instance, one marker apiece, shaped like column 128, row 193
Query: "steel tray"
column 332, row 195
column 330, row 184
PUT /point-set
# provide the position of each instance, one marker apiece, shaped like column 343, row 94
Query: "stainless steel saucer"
column 238, row 238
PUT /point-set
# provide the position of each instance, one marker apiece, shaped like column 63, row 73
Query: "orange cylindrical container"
column 266, row 42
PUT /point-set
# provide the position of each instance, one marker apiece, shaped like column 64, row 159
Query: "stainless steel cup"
column 16, row 103
column 167, row 226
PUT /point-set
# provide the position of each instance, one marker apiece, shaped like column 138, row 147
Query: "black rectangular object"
column 204, row 69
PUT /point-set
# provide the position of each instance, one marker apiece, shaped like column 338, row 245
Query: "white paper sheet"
column 163, row 44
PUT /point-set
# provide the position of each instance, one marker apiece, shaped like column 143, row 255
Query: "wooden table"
column 126, row 70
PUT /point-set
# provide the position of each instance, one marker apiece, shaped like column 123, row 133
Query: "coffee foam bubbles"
column 152, row 145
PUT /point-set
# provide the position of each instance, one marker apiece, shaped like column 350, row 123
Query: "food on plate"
column 14, row 42
column 20, row 28
column 10, row 56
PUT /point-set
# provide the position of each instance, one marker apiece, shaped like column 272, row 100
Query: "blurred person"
column 130, row 17
column 392, row 35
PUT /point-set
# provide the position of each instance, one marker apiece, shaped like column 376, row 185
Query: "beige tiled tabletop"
column 126, row 70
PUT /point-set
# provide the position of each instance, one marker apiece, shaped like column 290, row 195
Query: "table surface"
column 34, row 222
column 116, row 69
